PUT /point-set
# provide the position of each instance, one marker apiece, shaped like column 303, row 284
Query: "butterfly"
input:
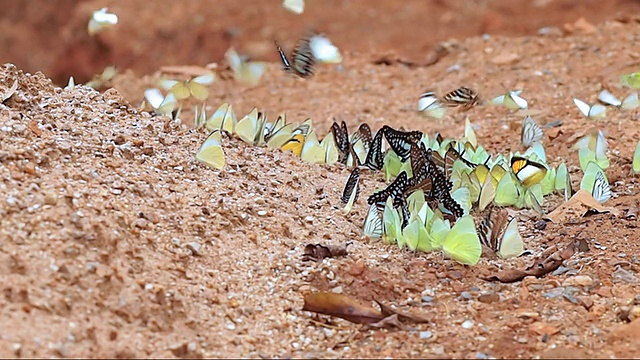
column 629, row 103
column 210, row 152
column 372, row 226
column 302, row 59
column 341, row 137
column 415, row 235
column 429, row 105
column 563, row 182
column 101, row 19
column 531, row 132
column 374, row 160
column 359, row 145
column 636, row 159
column 251, row 128
column 400, row 141
column 591, row 112
column 511, row 100
column 501, row 238
column 295, row 6
column 163, row 105
column 631, row 80
column 461, row 243
column 528, row 172
column 391, row 223
column 223, row 118
column 593, row 147
column 195, row 87
column 595, row 182
column 295, row 144
column 248, row 72
column 394, row 190
column 351, row 190
column 323, row 50
column 463, row 96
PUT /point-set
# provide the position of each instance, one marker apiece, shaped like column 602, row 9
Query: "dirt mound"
column 117, row 243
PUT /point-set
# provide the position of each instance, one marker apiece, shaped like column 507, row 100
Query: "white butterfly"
column 373, row 223
column 531, row 132
column 511, row 100
column 593, row 111
column 601, row 188
column 101, row 19
column 295, row 6
column 429, row 105
column 629, row 103
column 324, row 51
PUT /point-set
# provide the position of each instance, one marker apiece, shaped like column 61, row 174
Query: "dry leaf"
column 318, row 252
column 403, row 315
column 578, row 206
column 391, row 321
column 541, row 267
column 342, row 306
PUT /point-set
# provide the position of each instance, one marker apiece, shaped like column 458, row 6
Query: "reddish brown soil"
column 101, row 205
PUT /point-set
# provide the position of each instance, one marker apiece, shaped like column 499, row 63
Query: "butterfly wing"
column 511, row 244
column 210, row 152
column 351, row 190
column 531, row 132
column 462, row 243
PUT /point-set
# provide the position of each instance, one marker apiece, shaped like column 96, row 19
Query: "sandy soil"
column 117, row 243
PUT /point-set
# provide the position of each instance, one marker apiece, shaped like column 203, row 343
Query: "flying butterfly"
column 351, row 190
column 400, row 141
column 463, row 96
column 323, row 50
column 163, row 105
column 295, row 6
column 501, row 238
column 210, row 152
column 302, row 59
column 531, row 132
column 195, row 87
column 528, row 172
column 248, row 72
column 429, row 105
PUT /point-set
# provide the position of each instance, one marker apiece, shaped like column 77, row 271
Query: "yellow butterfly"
column 528, row 172
column 196, row 87
column 251, row 128
column 224, row 119
column 330, row 149
column 248, row 72
column 294, row 144
column 210, row 152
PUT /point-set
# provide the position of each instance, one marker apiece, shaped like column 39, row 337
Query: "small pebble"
column 523, row 340
column 195, row 248
column 467, row 324
column 553, row 293
column 438, row 350
column 426, row 334
column 427, row 298
column 309, row 219
column 579, row 280
column 337, row 290
column 465, row 295
column 262, row 212
column 480, row 355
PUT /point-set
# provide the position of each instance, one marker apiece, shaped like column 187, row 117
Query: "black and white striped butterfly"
column 400, row 141
column 351, row 190
column 341, row 137
column 302, row 59
column 445, row 164
column 359, row 145
column 601, row 188
column 374, row 160
column 396, row 190
column 531, row 132
column 463, row 96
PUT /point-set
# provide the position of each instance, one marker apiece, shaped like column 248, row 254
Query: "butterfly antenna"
column 283, row 57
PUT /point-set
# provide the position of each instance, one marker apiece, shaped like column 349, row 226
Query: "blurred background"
column 51, row 36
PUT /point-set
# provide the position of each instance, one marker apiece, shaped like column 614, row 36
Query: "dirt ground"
column 116, row 242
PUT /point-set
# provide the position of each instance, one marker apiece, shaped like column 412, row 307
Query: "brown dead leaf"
column 542, row 266
column 318, row 252
column 391, row 321
column 342, row 306
column 578, row 206
column 403, row 316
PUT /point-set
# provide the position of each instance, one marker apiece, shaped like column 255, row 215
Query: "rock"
column 598, row 310
column 195, row 248
column 489, row 298
column 505, row 58
column 585, row 301
column 604, row 292
column 426, row 334
column 634, row 313
column 579, row 280
column 542, row 328
column 467, row 324
column 438, row 350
